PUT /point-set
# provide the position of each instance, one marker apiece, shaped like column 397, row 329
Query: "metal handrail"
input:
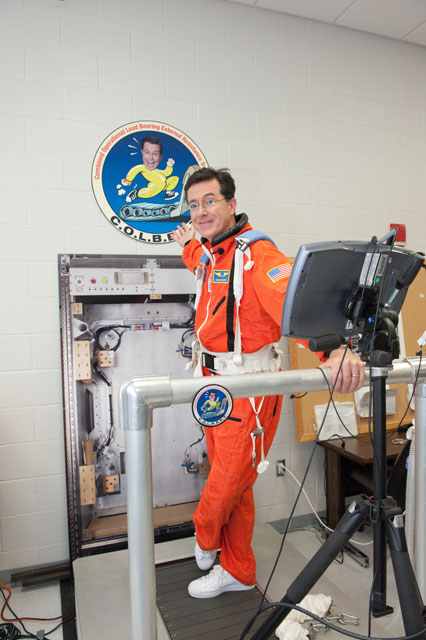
column 139, row 396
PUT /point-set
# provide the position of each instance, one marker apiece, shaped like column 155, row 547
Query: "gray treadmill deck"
column 220, row 618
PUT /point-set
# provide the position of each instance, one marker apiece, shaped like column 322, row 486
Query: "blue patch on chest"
column 221, row 276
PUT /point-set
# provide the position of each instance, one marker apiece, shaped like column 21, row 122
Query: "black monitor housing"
column 353, row 290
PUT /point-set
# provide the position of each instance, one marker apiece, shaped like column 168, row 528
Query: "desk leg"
column 334, row 490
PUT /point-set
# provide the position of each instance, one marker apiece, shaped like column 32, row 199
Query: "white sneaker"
column 214, row 583
column 169, row 195
column 204, row 559
column 132, row 195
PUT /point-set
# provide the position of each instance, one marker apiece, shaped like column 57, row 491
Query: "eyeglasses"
column 206, row 203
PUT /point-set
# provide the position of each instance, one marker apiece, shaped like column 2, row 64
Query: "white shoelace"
column 217, row 569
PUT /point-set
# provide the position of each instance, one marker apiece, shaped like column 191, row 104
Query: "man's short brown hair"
column 223, row 176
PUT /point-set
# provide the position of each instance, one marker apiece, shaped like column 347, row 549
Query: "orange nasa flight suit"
column 224, row 518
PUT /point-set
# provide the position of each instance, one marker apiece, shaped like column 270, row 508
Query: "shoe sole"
column 213, row 594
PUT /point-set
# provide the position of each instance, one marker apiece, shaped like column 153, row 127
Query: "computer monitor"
column 334, row 288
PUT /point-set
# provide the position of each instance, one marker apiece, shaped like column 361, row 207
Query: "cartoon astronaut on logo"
column 158, row 179
column 211, row 404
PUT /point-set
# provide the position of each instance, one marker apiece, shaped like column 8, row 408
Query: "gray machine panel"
column 123, row 317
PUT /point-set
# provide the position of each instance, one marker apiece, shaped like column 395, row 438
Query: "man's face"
column 214, row 214
column 151, row 155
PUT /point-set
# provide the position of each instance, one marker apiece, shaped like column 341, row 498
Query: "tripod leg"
column 379, row 606
column 410, row 599
column 304, row 582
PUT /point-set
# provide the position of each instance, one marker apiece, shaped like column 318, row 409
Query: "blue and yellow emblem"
column 138, row 178
column 212, row 405
column 221, row 276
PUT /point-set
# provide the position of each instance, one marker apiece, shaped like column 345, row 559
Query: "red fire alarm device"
column 400, row 237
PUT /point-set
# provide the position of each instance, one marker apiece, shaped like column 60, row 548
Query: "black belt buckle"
column 207, row 360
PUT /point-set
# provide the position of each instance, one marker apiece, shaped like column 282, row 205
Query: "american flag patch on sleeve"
column 282, row 271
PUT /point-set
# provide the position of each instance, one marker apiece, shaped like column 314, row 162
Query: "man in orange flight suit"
column 236, row 338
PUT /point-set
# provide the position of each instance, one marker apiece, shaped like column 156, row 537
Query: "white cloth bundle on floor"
column 291, row 628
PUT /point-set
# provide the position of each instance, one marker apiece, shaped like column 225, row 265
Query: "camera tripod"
column 388, row 526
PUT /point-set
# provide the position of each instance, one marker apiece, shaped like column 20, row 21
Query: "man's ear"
column 233, row 206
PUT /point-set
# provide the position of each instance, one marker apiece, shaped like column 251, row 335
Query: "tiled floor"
column 43, row 602
column 37, row 602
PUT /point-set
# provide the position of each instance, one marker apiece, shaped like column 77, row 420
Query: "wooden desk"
column 356, row 452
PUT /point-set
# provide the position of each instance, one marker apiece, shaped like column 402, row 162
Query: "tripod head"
column 378, row 343
column 380, row 347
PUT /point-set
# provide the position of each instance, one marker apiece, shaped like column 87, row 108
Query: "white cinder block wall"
column 323, row 128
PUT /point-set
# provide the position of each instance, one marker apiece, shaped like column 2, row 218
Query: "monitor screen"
column 335, row 285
